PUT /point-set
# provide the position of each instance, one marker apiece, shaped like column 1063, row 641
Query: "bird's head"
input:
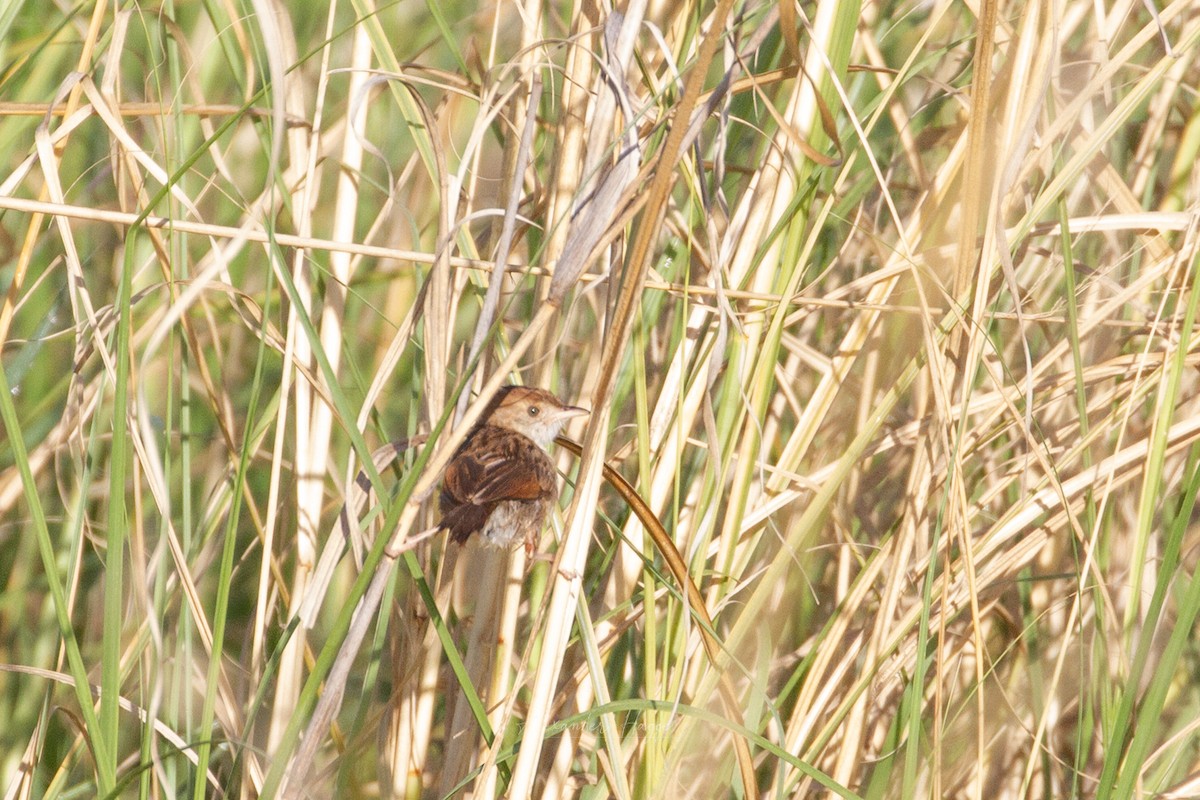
column 533, row 412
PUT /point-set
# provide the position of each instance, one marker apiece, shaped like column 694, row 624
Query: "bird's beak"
column 573, row 411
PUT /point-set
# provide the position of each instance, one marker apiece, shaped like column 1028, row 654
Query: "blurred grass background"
column 887, row 310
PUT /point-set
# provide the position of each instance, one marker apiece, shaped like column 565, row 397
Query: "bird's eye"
column 534, row 411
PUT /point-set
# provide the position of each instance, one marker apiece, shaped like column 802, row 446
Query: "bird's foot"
column 550, row 558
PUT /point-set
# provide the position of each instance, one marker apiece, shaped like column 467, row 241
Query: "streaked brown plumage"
column 501, row 482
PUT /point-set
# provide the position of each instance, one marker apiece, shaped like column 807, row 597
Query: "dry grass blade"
column 695, row 600
column 887, row 314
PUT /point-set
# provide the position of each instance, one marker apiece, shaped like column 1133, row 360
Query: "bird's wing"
column 490, row 469
column 488, row 477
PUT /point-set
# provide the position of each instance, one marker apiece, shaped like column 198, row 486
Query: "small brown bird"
column 501, row 482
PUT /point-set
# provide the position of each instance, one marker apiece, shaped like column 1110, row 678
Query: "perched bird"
column 501, row 482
